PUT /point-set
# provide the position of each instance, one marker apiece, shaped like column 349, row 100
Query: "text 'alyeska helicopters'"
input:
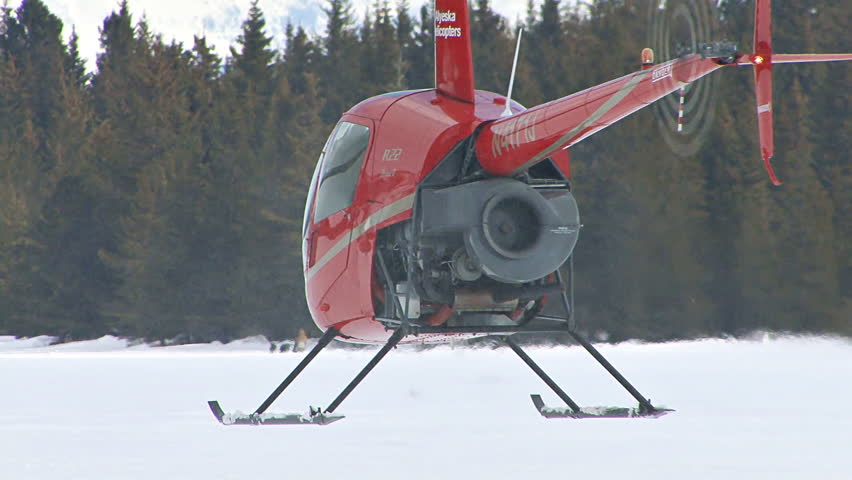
column 446, row 213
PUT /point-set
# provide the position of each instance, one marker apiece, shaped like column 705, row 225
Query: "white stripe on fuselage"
column 388, row 212
column 594, row 117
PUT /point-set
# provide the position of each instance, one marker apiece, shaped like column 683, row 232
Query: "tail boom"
column 513, row 144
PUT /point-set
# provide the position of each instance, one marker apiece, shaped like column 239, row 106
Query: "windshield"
column 340, row 167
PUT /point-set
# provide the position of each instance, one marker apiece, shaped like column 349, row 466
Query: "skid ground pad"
column 595, row 412
column 315, row 417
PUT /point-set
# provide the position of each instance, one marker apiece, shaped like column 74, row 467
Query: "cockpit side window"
column 311, row 191
column 341, row 165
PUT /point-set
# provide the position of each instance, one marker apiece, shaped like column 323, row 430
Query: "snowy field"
column 764, row 409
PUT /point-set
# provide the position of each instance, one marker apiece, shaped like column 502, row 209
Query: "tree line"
column 160, row 195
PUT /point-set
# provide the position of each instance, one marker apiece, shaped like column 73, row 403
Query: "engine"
column 483, row 251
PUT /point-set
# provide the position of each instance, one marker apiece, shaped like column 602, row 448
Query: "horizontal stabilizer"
column 801, row 58
column 595, row 412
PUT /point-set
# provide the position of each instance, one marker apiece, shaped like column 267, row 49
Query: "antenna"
column 508, row 111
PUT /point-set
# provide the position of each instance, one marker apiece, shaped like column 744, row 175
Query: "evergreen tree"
column 75, row 66
column 369, row 54
column 381, row 50
column 20, row 197
column 826, row 25
column 34, row 38
column 299, row 59
column 420, row 58
column 55, row 290
column 338, row 74
column 161, row 197
column 254, row 58
column 492, row 48
column 809, row 295
column 549, row 51
column 404, row 25
column 117, row 39
column 149, row 146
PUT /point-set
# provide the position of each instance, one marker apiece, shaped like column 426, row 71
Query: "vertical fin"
column 762, row 60
column 453, row 55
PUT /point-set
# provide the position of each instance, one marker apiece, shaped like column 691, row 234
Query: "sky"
column 772, row 408
column 219, row 20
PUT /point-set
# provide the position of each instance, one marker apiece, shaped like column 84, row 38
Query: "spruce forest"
column 158, row 193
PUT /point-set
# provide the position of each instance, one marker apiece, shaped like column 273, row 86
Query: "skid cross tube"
column 394, row 339
column 643, row 402
column 568, row 304
column 544, row 376
column 323, row 342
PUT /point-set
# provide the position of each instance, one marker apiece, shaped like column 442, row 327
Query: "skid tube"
column 645, row 408
column 567, row 324
column 314, row 416
column 573, row 410
column 318, row 416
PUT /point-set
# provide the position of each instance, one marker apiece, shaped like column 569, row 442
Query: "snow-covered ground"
column 764, row 409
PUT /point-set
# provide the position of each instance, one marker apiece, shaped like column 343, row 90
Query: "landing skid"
column 403, row 328
column 313, row 417
column 573, row 410
column 594, row 412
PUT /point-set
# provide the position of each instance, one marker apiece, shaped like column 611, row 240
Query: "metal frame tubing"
column 323, row 342
column 389, row 291
column 568, row 302
column 549, row 381
column 394, row 339
column 644, row 402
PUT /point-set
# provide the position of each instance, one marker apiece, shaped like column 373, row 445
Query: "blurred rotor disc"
column 679, row 27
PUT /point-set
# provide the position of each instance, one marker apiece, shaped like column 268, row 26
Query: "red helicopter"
column 446, row 213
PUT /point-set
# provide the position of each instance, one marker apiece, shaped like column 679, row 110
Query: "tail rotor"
column 678, row 28
column 692, row 113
